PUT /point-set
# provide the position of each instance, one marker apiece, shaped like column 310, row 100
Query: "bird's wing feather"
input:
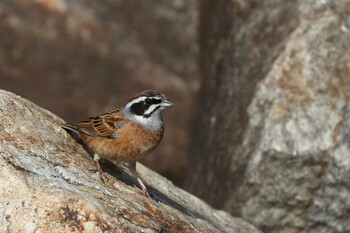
column 105, row 125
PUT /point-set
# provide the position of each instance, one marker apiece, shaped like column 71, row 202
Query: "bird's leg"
column 132, row 167
column 99, row 169
column 98, row 166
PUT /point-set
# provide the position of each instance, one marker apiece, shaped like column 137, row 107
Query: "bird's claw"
column 100, row 173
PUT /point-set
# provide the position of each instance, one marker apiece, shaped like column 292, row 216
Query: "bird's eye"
column 148, row 101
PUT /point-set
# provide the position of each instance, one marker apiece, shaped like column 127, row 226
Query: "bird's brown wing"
column 105, row 125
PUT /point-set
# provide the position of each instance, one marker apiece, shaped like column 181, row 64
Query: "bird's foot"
column 98, row 170
column 100, row 173
column 145, row 192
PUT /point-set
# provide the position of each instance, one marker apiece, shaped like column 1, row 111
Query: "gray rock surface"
column 46, row 185
column 271, row 143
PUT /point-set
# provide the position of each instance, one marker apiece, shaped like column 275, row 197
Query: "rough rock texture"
column 92, row 56
column 272, row 139
column 46, row 185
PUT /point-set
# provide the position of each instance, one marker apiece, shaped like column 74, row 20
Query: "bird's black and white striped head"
column 145, row 109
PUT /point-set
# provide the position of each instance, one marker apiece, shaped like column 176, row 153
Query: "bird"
column 125, row 134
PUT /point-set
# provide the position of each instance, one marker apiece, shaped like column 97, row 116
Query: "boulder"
column 46, row 185
column 271, row 137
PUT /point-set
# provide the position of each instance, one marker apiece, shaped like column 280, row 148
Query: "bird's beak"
column 166, row 103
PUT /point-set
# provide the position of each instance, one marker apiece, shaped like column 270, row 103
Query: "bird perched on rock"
column 126, row 134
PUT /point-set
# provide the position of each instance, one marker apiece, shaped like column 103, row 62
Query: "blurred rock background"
column 271, row 140
column 81, row 58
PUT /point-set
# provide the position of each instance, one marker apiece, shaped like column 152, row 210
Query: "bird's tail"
column 74, row 133
column 70, row 127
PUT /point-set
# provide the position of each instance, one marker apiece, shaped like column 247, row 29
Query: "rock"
column 92, row 57
column 46, row 185
column 271, row 140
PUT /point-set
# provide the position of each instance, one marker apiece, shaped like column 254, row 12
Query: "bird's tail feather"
column 74, row 133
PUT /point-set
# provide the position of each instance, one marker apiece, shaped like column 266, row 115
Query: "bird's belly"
column 118, row 151
column 125, row 147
